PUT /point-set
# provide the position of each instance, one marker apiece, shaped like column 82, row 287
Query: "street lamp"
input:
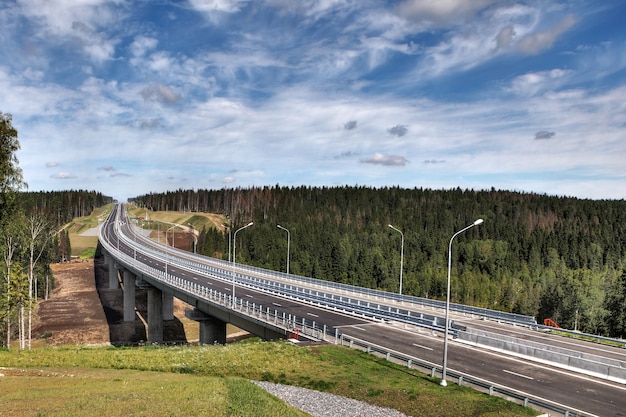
column 401, row 256
column 288, row 243
column 445, row 340
column 234, row 248
column 167, row 247
column 229, row 238
column 194, row 243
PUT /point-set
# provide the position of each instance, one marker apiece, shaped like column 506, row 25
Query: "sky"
column 135, row 97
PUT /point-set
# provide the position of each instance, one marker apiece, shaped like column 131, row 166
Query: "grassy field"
column 214, row 381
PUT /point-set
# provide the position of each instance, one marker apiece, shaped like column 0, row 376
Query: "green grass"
column 89, row 392
column 217, row 377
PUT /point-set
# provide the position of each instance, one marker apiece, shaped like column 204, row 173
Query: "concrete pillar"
column 114, row 282
column 212, row 330
column 168, row 306
column 155, row 315
column 129, row 295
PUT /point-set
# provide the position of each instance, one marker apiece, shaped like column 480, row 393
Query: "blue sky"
column 132, row 97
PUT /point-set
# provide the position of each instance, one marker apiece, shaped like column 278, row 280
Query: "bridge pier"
column 129, row 295
column 114, row 282
column 212, row 330
column 168, row 306
column 155, row 315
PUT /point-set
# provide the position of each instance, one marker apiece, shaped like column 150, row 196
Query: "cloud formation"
column 237, row 93
column 387, row 160
column 544, row 134
column 398, row 130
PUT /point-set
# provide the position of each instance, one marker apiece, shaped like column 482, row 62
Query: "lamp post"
column 445, row 339
column 288, row 243
column 228, row 226
column 234, row 248
column 167, row 247
column 401, row 255
column 194, row 242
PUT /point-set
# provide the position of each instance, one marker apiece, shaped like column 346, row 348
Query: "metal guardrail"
column 580, row 335
column 433, row 370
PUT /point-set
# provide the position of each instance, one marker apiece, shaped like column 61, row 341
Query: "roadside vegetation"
column 214, row 381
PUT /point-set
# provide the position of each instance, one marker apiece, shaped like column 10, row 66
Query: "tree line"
column 31, row 237
column 545, row 256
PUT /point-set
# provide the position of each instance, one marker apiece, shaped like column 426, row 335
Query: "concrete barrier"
column 573, row 360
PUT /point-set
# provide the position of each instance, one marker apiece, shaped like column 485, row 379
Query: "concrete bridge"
column 275, row 305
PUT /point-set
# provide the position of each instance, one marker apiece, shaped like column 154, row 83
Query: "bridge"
column 505, row 349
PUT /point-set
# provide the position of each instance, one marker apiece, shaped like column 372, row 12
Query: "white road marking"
column 423, row 347
column 359, row 328
column 311, row 314
column 516, row 374
column 277, row 304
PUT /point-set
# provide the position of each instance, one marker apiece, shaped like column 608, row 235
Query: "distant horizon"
column 491, row 189
column 136, row 97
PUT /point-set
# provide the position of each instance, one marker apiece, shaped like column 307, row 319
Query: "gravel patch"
column 322, row 404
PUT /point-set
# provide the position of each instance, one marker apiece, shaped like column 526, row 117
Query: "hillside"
column 546, row 256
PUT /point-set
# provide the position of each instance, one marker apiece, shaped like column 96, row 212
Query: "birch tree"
column 38, row 236
column 11, row 180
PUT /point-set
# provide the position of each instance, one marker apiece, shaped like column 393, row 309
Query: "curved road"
column 587, row 395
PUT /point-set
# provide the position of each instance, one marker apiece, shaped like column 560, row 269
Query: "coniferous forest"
column 550, row 257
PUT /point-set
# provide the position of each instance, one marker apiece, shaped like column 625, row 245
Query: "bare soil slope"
column 73, row 314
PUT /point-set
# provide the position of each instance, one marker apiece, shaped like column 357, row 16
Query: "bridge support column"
column 129, row 295
column 114, row 282
column 155, row 315
column 212, row 330
column 168, row 306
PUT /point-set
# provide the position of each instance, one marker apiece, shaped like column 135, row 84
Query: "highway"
column 386, row 323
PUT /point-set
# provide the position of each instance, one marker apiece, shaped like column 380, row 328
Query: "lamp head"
column 477, row 222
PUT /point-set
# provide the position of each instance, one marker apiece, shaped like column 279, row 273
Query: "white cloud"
column 441, row 12
column 141, row 45
column 531, row 84
column 161, row 93
column 227, row 6
column 536, row 42
column 63, row 176
column 387, row 160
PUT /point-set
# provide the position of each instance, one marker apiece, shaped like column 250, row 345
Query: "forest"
column 547, row 256
column 31, row 237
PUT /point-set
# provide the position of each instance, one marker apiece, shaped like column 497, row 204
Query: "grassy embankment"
column 213, row 381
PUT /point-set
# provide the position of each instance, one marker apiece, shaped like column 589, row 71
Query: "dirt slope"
column 73, row 313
